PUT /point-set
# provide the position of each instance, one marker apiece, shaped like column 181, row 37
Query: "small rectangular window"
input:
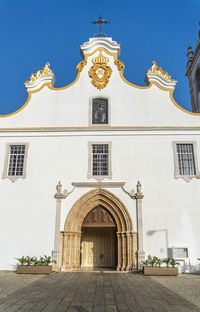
column 186, row 163
column 16, row 160
column 100, row 159
column 186, row 160
column 100, row 111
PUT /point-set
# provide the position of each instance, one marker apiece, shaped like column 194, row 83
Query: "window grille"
column 186, row 163
column 16, row 160
column 100, row 159
column 100, row 111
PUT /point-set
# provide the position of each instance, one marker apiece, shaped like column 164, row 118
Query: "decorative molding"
column 80, row 66
column 120, row 65
column 105, row 128
column 100, row 42
column 37, row 80
column 156, row 74
column 99, row 184
column 158, row 70
column 100, row 72
column 42, row 72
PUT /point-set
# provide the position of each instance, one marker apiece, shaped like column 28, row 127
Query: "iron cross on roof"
column 100, row 21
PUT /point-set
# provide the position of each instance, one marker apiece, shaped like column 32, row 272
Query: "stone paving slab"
column 95, row 292
column 10, row 282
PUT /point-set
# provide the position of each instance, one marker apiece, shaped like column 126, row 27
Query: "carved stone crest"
column 100, row 72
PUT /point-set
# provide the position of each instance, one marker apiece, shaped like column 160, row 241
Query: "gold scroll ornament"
column 100, row 72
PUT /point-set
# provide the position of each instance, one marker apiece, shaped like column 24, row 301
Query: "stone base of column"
column 119, row 268
column 55, row 257
column 56, row 268
column 129, row 269
column 140, row 259
column 67, row 268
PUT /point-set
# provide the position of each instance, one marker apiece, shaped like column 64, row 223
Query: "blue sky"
column 34, row 32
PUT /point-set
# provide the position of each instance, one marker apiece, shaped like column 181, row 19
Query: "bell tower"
column 193, row 74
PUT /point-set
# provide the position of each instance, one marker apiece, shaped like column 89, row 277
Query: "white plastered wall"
column 28, row 209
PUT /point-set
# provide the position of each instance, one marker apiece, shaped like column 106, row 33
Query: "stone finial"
column 158, row 70
column 139, row 187
column 42, row 72
column 155, row 74
column 40, row 78
column 190, row 53
column 59, row 188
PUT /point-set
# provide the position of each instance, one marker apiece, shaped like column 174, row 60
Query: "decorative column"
column 129, row 251
column 59, row 196
column 69, row 251
column 124, row 251
column 65, row 254
column 140, row 252
column 78, row 250
column 133, row 249
column 119, row 251
column 75, row 250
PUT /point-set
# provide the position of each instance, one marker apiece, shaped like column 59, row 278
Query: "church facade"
column 100, row 173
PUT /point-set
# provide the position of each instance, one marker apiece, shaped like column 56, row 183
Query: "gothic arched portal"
column 70, row 242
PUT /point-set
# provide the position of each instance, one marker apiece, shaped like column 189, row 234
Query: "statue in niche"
column 99, row 111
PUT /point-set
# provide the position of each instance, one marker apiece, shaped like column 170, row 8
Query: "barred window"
column 186, row 162
column 100, row 160
column 16, row 160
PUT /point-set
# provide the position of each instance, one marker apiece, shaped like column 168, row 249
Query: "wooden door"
column 98, row 247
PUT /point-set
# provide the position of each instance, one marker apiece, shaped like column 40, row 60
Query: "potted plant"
column 33, row 265
column 166, row 261
column 153, row 266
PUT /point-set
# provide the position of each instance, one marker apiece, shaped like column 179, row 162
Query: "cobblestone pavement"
column 96, row 292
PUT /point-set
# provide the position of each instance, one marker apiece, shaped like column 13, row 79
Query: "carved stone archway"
column 70, row 240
